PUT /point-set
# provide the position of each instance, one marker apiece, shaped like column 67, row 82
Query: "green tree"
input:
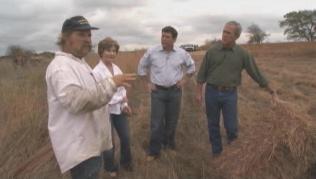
column 300, row 25
column 19, row 54
column 256, row 34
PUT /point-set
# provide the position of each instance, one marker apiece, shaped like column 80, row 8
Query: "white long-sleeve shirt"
column 78, row 125
column 117, row 102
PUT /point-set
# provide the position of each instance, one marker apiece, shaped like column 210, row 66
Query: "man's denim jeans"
column 88, row 169
column 215, row 103
column 165, row 108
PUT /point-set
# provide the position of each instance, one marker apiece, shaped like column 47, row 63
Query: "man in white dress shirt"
column 165, row 64
column 76, row 123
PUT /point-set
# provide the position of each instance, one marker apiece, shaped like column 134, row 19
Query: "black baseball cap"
column 77, row 23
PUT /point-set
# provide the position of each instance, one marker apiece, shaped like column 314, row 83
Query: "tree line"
column 298, row 26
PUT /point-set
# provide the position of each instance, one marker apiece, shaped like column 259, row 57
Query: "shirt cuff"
column 142, row 73
column 124, row 105
column 190, row 71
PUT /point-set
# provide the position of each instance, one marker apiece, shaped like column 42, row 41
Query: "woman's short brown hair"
column 107, row 44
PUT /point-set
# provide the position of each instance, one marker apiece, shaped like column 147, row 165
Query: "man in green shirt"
column 221, row 71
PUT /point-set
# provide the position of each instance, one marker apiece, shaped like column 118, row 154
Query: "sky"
column 36, row 24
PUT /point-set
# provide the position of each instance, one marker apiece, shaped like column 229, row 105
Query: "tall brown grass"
column 23, row 114
column 274, row 141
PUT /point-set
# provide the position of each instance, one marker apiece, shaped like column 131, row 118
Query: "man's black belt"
column 222, row 88
column 166, row 88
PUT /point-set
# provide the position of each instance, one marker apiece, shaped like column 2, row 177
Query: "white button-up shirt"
column 166, row 68
column 77, row 122
column 117, row 102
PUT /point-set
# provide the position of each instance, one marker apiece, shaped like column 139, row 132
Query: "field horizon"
column 274, row 142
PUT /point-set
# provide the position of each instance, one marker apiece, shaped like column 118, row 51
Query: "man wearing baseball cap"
column 78, row 123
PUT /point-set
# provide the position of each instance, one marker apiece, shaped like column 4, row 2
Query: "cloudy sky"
column 36, row 24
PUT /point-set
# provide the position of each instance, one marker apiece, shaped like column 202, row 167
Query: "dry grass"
column 23, row 114
column 279, row 143
column 276, row 141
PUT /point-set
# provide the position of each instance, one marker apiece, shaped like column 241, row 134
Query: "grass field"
column 283, row 142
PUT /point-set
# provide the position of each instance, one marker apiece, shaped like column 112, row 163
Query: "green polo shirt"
column 223, row 67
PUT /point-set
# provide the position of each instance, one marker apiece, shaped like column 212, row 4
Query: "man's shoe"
column 230, row 141
column 168, row 147
column 150, row 158
column 128, row 167
column 113, row 174
column 216, row 155
column 172, row 147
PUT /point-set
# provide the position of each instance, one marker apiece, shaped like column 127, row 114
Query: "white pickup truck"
column 189, row 47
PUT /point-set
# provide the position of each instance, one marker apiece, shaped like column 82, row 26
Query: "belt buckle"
column 164, row 87
column 221, row 88
column 224, row 88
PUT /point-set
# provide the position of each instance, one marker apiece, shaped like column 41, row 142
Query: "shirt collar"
column 105, row 68
column 160, row 48
column 220, row 47
column 60, row 53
